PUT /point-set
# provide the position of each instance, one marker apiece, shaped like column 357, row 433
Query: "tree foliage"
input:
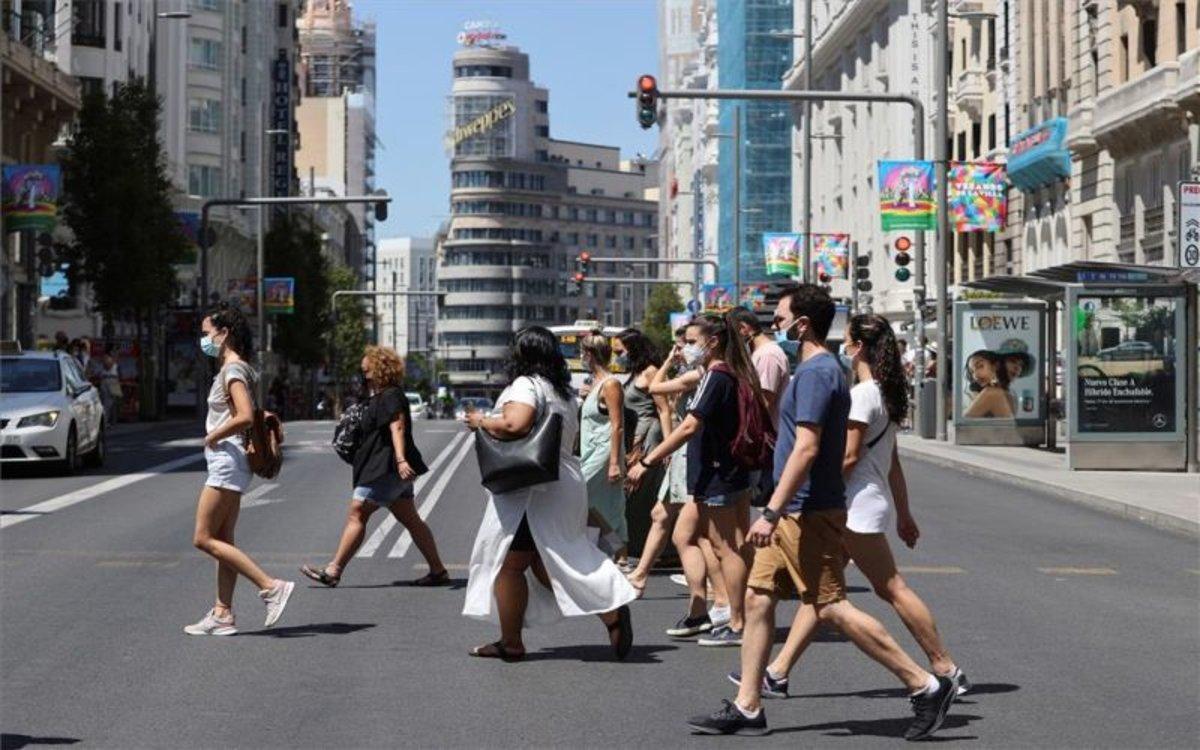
column 656, row 323
column 350, row 331
column 293, row 248
column 116, row 201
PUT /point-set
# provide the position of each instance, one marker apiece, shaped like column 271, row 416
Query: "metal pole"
column 1051, row 381
column 737, row 205
column 919, row 284
column 854, row 277
column 805, row 272
column 941, row 257
column 260, row 265
column 1192, row 311
column 394, row 313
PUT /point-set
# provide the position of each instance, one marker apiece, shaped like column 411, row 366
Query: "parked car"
column 1127, row 350
column 416, row 405
column 471, row 403
column 49, row 412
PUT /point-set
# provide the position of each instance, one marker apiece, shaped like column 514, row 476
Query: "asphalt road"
column 1078, row 629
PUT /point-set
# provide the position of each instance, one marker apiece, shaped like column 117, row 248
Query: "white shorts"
column 228, row 467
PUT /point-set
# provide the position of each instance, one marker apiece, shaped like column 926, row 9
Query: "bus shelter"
column 1128, row 358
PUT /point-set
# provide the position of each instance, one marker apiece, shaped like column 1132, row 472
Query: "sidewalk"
column 1165, row 500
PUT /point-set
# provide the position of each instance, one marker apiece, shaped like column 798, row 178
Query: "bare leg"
column 712, row 569
column 352, row 535
column 406, row 513
column 728, row 534
column 687, row 529
column 226, row 575
column 662, row 517
column 512, row 597
column 874, row 558
column 875, row 641
column 804, row 627
column 211, row 511
column 757, row 636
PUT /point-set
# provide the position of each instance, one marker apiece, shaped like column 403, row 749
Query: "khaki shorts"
column 805, row 557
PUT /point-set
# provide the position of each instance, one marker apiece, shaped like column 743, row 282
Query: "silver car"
column 49, row 412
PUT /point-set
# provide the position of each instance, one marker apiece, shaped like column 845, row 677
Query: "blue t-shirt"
column 711, row 468
column 817, row 395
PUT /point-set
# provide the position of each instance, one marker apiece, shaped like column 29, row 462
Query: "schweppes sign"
column 484, row 122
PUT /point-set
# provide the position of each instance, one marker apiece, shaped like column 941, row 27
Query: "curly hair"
column 535, row 353
column 232, row 320
column 384, row 367
column 882, row 354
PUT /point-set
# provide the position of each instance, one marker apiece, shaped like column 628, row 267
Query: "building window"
column 214, row 5
column 88, row 23
column 1123, row 60
column 282, row 20
column 992, row 132
column 204, row 180
column 483, row 71
column 204, row 115
column 542, row 155
column 204, row 54
column 976, row 139
column 543, row 131
column 89, row 86
column 542, row 106
column 630, row 243
column 610, row 242
column 117, row 27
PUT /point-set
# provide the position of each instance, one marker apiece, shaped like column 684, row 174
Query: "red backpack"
column 754, row 445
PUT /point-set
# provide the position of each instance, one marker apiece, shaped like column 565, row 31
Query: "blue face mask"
column 209, row 347
column 622, row 361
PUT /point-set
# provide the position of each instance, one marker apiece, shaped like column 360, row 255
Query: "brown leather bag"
column 263, row 441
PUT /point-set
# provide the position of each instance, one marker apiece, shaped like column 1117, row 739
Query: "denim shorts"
column 728, row 500
column 228, row 467
column 385, row 490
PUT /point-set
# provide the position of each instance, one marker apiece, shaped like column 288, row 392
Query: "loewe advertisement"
column 999, row 362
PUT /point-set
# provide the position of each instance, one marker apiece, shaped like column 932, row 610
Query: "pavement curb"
column 1128, row 511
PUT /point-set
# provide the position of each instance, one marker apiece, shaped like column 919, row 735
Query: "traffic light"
column 903, row 244
column 862, row 273
column 577, row 280
column 583, row 263
column 381, row 207
column 647, row 102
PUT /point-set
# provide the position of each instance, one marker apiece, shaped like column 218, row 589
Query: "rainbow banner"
column 831, row 255
column 977, row 196
column 30, row 196
column 906, row 198
column 782, row 252
column 718, row 298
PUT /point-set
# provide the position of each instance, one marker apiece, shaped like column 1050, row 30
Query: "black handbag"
column 508, row 465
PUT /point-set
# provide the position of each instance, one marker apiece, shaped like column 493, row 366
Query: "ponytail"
column 882, row 355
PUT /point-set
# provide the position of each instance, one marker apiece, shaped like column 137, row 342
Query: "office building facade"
column 407, row 324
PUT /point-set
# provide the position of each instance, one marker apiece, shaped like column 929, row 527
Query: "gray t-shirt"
column 218, row 396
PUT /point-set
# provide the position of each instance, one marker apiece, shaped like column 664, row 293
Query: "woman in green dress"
column 602, row 443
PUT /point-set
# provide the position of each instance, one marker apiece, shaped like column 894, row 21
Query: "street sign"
column 280, row 295
column 693, row 306
column 1189, row 225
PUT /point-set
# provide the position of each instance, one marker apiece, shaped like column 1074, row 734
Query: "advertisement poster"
column 719, row 297
column 782, row 253
column 831, row 255
column 30, row 196
column 906, row 195
column 998, row 361
column 1125, row 372
column 242, row 294
column 977, row 196
column 279, row 295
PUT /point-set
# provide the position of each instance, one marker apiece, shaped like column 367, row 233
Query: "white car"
column 49, row 412
column 416, row 405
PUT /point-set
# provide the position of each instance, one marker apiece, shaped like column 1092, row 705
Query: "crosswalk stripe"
column 389, row 521
column 1073, row 571
column 405, row 540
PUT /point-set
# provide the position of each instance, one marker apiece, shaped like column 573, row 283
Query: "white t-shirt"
column 537, row 392
column 868, row 494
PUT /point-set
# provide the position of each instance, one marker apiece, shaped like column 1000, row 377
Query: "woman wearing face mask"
column 230, row 413
column 386, row 464
column 634, row 353
column 715, row 479
column 874, row 482
column 602, row 442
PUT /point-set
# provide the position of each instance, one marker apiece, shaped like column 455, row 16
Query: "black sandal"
column 501, row 653
column 320, row 576
column 433, row 579
column 624, row 624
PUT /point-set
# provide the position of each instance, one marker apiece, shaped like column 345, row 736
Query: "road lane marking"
column 448, row 566
column 254, row 498
column 137, row 563
column 405, row 540
column 95, row 490
column 385, row 527
column 1073, row 571
column 949, row 569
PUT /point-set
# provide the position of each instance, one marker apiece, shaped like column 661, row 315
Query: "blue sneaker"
column 721, row 636
column 771, row 687
column 729, row 719
column 688, row 627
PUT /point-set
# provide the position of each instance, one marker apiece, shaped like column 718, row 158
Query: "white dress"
column 583, row 579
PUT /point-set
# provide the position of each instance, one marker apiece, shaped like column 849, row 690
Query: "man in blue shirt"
column 799, row 537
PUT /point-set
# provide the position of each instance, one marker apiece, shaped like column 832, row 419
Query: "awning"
column 1047, row 283
column 1039, row 156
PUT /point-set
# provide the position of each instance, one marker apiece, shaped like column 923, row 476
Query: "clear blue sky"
column 588, row 53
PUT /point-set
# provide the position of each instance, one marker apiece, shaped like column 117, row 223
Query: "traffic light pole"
column 942, row 256
column 918, row 110
column 663, row 262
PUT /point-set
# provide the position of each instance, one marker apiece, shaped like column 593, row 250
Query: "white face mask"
column 692, row 354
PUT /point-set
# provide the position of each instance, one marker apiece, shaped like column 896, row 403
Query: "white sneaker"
column 276, row 599
column 210, row 624
column 679, row 578
column 719, row 616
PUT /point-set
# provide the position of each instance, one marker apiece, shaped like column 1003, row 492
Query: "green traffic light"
column 903, row 274
column 647, row 117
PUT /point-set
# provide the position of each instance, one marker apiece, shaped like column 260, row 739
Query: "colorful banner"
column 718, row 298
column 977, row 196
column 906, row 195
column 241, row 293
column 30, row 196
column 782, row 252
column 280, row 295
column 831, row 255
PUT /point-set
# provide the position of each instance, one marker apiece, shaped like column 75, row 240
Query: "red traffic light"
column 647, row 84
column 902, row 244
column 578, row 278
column 585, row 257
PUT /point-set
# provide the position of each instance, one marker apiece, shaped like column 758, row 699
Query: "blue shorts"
column 385, row 490
column 728, row 500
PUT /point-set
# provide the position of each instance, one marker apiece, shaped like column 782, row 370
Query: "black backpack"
column 347, row 436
